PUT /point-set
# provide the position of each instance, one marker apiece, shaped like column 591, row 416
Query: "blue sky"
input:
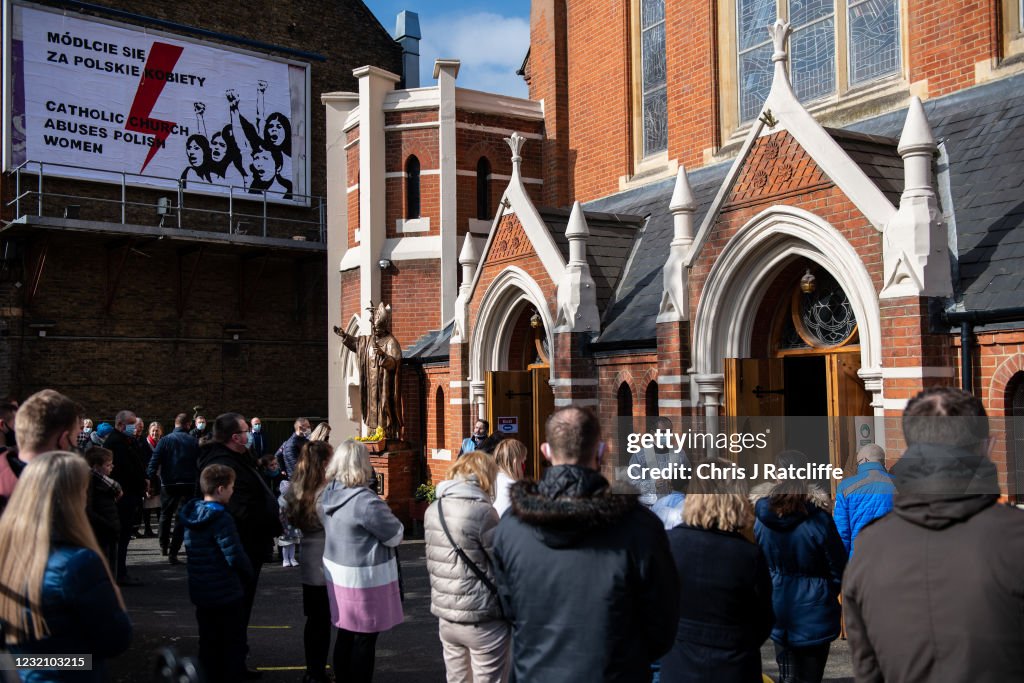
column 491, row 39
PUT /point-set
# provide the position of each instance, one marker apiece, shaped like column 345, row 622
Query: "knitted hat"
column 104, row 429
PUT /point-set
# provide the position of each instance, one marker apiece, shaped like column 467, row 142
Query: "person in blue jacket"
column 218, row 566
column 806, row 560
column 59, row 595
column 864, row 497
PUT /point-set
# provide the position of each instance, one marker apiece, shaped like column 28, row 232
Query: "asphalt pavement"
column 410, row 653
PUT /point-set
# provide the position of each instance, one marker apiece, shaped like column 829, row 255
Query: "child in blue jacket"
column 217, row 569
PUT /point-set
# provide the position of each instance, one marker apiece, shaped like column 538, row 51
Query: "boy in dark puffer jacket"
column 217, row 567
column 104, row 493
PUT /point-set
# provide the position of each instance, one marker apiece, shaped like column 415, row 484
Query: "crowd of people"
column 569, row 577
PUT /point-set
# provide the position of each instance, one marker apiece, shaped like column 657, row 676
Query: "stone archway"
column 733, row 292
column 506, row 296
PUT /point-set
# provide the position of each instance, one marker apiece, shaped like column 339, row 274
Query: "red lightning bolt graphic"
column 162, row 58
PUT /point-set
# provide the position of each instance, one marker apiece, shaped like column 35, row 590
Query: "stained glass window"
column 755, row 54
column 874, row 39
column 826, row 313
column 812, row 66
column 872, row 45
column 652, row 59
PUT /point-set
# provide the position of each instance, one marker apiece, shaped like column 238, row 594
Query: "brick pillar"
column 673, row 360
column 913, row 358
column 575, row 376
column 460, row 411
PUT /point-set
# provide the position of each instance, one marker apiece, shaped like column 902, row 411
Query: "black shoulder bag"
column 473, row 566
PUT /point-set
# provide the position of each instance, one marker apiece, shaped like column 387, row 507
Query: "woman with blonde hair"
column 57, row 594
column 300, row 503
column 321, row 433
column 510, row 456
column 359, row 561
column 460, row 528
column 725, row 596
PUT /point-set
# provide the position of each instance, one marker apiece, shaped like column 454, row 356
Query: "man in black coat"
column 583, row 573
column 176, row 460
column 935, row 590
column 131, row 475
column 252, row 504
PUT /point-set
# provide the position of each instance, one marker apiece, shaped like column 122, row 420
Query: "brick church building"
column 735, row 208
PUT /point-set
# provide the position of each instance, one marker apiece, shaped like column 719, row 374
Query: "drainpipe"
column 967, row 321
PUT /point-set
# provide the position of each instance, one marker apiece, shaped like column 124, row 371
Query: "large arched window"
column 836, row 49
column 650, row 74
column 439, row 432
column 412, row 187
column 1014, row 410
column 624, row 423
column 483, row 189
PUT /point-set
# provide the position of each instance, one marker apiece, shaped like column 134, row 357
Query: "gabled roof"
column 611, row 241
column 982, row 132
column 629, row 317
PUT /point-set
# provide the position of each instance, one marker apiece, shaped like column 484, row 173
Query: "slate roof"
column 877, row 157
column 629, row 319
column 611, row 241
column 433, row 346
column 982, row 129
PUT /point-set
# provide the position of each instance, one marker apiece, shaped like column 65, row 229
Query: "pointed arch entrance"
column 509, row 361
column 759, row 351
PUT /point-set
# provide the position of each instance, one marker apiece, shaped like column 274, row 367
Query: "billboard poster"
column 92, row 99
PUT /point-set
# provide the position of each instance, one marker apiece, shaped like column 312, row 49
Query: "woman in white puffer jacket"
column 474, row 636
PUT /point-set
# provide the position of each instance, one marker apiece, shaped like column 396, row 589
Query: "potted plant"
column 424, row 496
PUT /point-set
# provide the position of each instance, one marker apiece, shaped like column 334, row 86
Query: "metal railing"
column 211, row 205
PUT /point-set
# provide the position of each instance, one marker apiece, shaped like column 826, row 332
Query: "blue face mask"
column 86, row 430
column 130, row 429
column 256, row 428
column 248, row 440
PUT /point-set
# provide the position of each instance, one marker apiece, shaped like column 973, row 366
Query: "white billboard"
column 101, row 99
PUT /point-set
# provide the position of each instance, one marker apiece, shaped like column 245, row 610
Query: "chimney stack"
column 407, row 34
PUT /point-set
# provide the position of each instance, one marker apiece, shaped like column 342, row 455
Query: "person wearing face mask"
column 199, row 431
column 259, row 445
column 84, row 440
column 253, row 506
column 47, row 421
column 288, row 454
column 131, row 475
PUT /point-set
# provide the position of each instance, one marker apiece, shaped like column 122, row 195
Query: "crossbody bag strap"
column 473, row 567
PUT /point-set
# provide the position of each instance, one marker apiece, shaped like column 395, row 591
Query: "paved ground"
column 411, row 652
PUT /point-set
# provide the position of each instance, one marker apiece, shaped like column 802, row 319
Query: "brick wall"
column 411, row 288
column 143, row 356
column 947, row 39
column 598, row 97
column 636, row 371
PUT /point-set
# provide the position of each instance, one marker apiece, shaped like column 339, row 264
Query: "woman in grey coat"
column 474, row 636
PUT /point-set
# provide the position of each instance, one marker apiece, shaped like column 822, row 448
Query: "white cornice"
column 417, row 98
column 376, row 71
column 491, row 103
column 352, row 120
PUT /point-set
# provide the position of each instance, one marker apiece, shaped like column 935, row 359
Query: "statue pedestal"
column 399, row 468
